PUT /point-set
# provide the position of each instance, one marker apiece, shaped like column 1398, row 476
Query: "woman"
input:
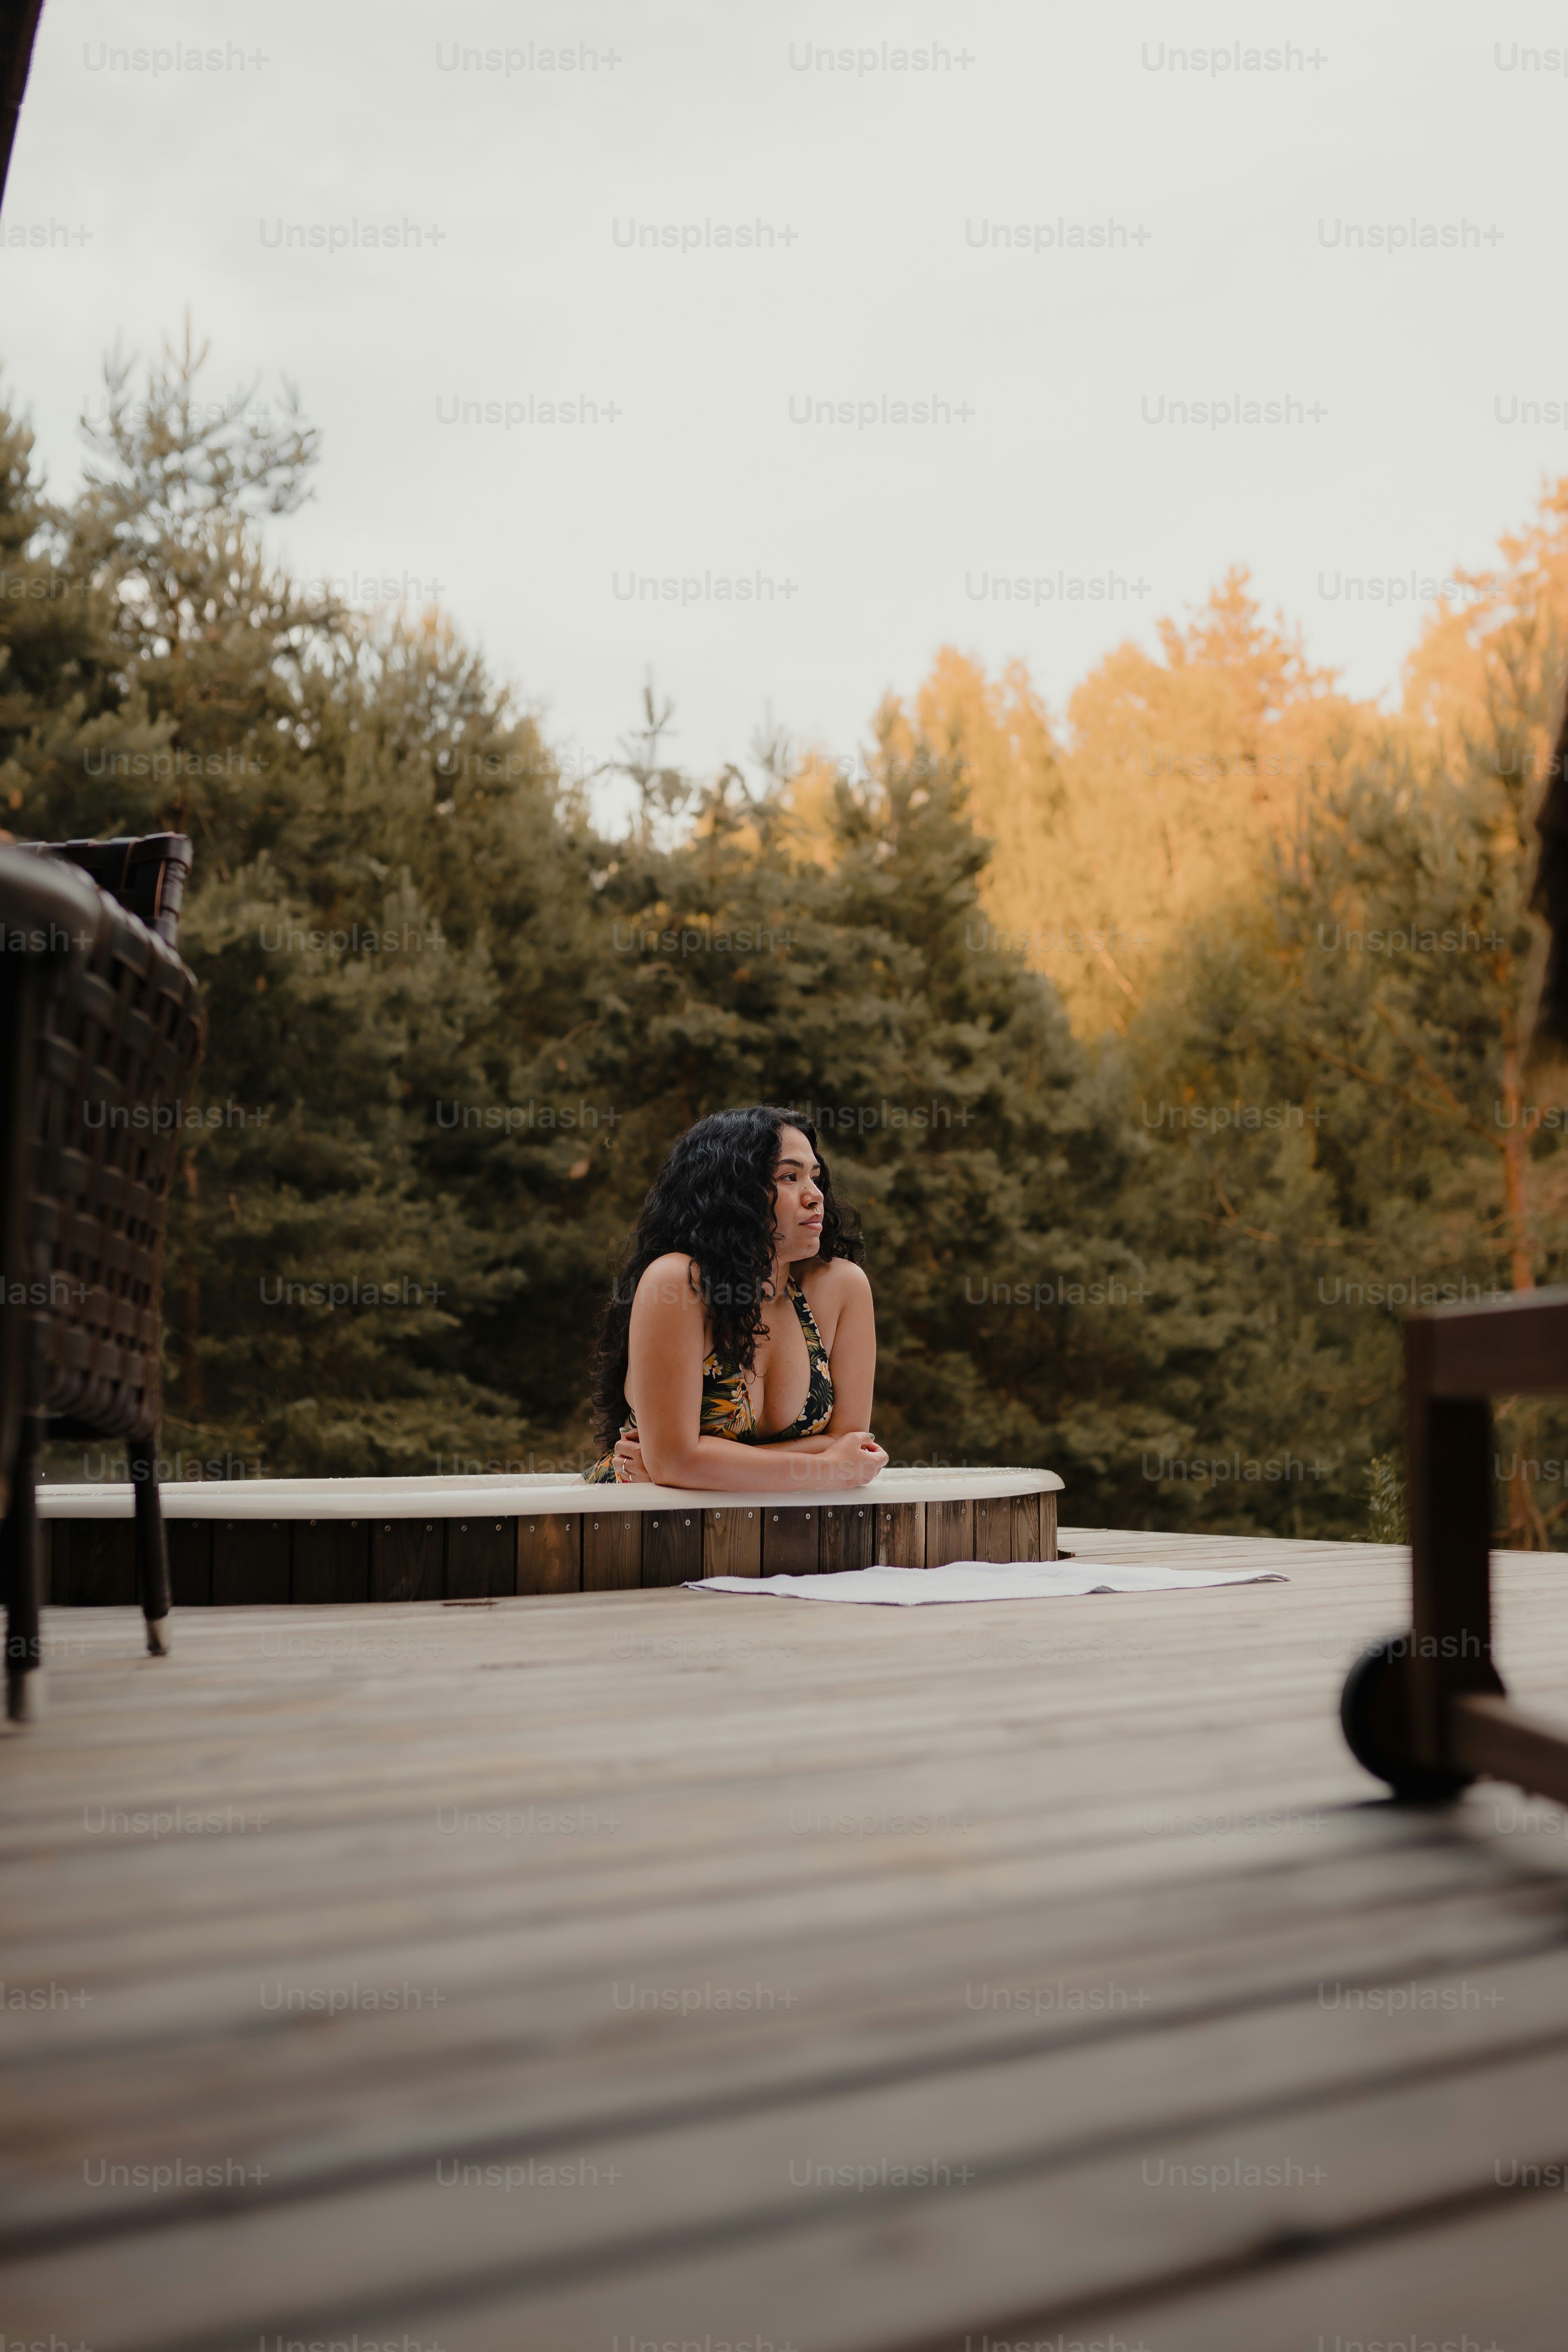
column 741, row 1319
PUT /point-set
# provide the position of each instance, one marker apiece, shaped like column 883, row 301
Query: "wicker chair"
column 147, row 876
column 46, row 920
column 117, row 1042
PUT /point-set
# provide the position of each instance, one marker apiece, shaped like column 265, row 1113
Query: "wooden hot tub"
column 344, row 1539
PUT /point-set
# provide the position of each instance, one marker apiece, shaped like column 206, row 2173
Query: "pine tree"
column 343, row 780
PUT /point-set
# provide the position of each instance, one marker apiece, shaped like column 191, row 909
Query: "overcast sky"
column 1215, row 205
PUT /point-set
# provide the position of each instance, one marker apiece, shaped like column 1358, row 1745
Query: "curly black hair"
column 714, row 1201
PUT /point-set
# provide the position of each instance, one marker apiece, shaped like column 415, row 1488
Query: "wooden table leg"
column 1450, row 1444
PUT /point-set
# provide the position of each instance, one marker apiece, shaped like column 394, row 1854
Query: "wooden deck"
column 649, row 1968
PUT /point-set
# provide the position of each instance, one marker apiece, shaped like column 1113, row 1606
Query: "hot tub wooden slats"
column 190, row 1545
column 549, row 1553
column 251, row 1562
column 612, row 1551
column 847, row 1536
column 405, row 1560
column 1009, row 1527
column 89, row 1562
column 331, row 1560
column 949, row 1533
column 671, row 1544
column 93, row 1562
column 481, row 1558
column 790, row 1541
column 993, row 1532
column 900, row 1534
column 732, row 1541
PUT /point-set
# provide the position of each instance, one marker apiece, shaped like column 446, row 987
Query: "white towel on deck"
column 980, row 1580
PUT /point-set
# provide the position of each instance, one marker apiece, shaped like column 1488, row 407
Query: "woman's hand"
column 630, row 1468
column 857, row 1454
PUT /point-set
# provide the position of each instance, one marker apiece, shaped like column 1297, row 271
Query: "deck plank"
column 591, row 1823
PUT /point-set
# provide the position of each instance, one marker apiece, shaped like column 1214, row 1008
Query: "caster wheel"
column 1372, row 1715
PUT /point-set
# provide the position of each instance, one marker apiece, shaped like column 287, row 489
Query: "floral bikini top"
column 727, row 1408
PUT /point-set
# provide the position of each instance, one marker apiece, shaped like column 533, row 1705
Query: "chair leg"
column 151, row 1545
column 20, row 1580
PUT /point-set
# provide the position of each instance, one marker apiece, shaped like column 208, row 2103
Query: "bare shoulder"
column 672, row 1282
column 835, row 1283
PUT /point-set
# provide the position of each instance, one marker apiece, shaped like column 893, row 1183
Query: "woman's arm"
column 851, row 1342
column 723, row 1465
column 667, row 1345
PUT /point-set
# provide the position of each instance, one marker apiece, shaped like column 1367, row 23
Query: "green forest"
column 454, row 1027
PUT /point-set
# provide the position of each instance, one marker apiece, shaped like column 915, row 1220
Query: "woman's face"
column 798, row 1198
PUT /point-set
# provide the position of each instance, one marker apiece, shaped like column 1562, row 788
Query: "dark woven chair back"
column 42, row 915
column 147, row 876
column 121, row 1036
column 15, row 1099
